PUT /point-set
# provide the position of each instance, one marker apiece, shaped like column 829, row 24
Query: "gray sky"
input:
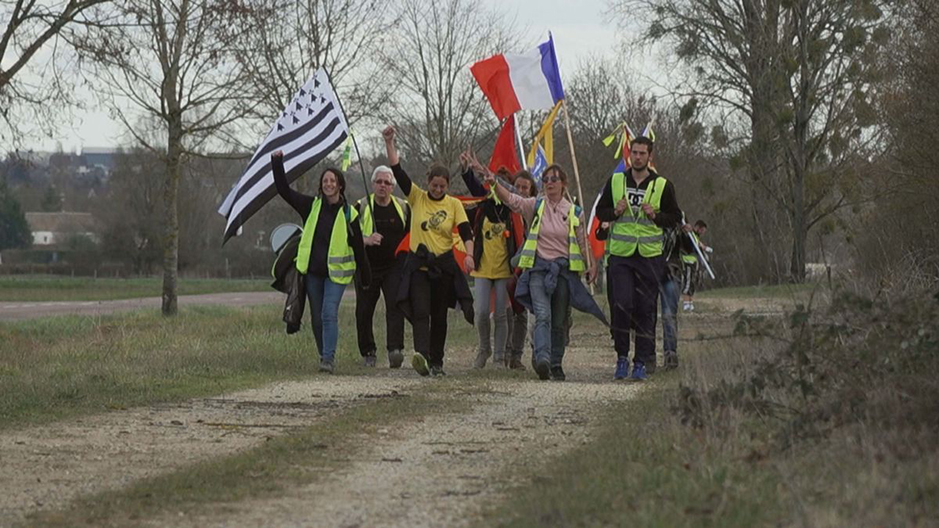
column 580, row 30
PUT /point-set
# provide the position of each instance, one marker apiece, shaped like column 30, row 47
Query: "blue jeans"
column 669, row 293
column 551, row 315
column 324, row 296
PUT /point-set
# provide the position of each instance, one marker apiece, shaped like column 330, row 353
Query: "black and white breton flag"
column 308, row 129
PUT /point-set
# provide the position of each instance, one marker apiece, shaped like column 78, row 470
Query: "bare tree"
column 283, row 41
column 800, row 73
column 28, row 27
column 437, row 106
column 172, row 62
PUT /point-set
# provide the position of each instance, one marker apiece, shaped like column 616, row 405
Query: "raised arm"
column 404, row 182
column 299, row 201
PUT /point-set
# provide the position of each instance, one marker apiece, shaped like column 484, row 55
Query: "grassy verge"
column 808, row 430
column 66, row 366
column 280, row 464
column 40, row 288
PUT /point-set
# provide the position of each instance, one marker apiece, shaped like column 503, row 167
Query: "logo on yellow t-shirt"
column 435, row 220
column 495, row 231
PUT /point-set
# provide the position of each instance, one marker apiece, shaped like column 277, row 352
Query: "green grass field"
column 41, row 288
column 58, row 367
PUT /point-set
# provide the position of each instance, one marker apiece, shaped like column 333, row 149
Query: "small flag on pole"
column 546, row 133
column 538, row 165
column 310, row 127
column 347, row 155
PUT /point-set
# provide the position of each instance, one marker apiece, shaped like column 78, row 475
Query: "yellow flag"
column 546, row 133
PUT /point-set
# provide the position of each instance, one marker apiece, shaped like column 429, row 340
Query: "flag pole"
column 580, row 190
column 355, row 144
column 521, row 147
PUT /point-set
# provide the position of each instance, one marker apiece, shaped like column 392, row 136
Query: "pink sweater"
column 552, row 237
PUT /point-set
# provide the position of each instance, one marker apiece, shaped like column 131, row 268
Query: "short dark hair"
column 525, row 175
column 340, row 179
column 438, row 170
column 701, row 223
column 643, row 140
column 556, row 168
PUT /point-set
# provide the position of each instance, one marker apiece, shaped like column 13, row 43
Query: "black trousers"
column 431, row 300
column 633, row 293
column 384, row 282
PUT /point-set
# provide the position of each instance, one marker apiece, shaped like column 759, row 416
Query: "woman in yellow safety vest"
column 331, row 248
column 552, row 260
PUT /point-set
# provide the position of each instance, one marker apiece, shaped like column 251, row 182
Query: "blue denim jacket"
column 558, row 269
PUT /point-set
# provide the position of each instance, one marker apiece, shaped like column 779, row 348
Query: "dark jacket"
column 290, row 281
column 436, row 265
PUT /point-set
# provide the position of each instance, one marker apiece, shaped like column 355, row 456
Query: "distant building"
column 53, row 230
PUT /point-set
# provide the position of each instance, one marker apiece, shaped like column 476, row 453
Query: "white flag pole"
column 521, row 147
column 697, row 249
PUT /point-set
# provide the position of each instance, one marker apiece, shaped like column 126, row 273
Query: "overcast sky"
column 580, row 30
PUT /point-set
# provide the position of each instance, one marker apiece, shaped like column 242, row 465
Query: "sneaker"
column 481, row 357
column 395, row 358
column 419, row 363
column 543, row 368
column 437, row 371
column 327, row 366
column 498, row 362
column 622, row 368
column 691, row 307
column 557, row 374
column 639, row 372
column 370, row 360
column 671, row 360
column 515, row 363
column 686, row 306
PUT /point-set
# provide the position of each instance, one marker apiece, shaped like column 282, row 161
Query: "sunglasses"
column 552, row 178
column 384, row 182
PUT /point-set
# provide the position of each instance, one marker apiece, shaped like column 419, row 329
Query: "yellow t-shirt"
column 495, row 260
column 432, row 221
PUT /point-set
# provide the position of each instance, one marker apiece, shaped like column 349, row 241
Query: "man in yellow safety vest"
column 638, row 203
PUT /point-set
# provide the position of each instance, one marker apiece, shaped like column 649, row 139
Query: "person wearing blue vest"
column 331, row 249
column 639, row 204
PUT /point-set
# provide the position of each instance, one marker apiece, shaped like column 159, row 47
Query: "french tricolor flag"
column 529, row 81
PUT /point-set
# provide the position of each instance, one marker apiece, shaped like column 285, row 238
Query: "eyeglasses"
column 384, row 182
column 552, row 178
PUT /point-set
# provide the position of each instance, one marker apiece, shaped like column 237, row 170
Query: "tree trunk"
column 171, row 217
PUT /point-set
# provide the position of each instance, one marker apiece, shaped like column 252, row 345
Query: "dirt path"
column 18, row 311
column 431, row 470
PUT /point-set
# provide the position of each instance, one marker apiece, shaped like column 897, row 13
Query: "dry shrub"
column 866, row 360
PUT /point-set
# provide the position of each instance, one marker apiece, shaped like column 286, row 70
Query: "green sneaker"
column 419, row 362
